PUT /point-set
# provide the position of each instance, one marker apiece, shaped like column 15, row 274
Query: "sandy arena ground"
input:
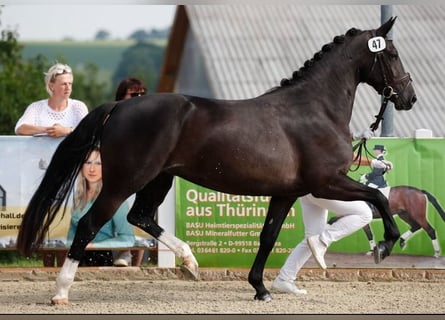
column 233, row 297
column 351, row 285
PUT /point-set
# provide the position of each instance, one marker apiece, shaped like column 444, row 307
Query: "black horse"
column 288, row 142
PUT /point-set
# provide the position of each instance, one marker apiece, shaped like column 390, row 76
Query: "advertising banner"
column 23, row 163
column 223, row 230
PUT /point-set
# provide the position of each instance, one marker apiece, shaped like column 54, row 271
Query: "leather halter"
column 387, row 93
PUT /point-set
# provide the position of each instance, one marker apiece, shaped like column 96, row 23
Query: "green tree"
column 159, row 34
column 102, row 35
column 87, row 87
column 20, row 81
column 142, row 60
column 139, row 35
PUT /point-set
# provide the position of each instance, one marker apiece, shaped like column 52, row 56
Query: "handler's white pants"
column 355, row 215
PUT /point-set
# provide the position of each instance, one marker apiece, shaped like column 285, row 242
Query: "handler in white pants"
column 319, row 235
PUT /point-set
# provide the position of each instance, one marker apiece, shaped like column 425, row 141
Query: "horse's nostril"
column 414, row 99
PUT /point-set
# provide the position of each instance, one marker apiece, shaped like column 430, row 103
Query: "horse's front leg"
column 278, row 210
column 392, row 234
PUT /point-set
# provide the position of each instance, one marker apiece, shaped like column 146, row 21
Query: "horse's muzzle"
column 404, row 96
column 400, row 104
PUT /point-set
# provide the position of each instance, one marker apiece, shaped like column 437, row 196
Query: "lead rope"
column 361, row 145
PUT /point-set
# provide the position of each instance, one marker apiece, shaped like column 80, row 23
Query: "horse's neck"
column 344, row 67
column 330, row 84
column 336, row 75
column 332, row 88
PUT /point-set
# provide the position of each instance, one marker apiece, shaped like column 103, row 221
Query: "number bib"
column 376, row 44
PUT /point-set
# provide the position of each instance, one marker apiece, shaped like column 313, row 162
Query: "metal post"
column 388, row 117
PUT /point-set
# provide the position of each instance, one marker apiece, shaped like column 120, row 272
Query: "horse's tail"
column 59, row 179
column 435, row 203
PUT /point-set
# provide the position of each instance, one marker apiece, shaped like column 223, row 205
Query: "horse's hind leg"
column 100, row 212
column 414, row 227
column 431, row 233
column 436, row 245
column 142, row 214
column 64, row 281
column 278, row 209
column 146, row 203
column 416, row 224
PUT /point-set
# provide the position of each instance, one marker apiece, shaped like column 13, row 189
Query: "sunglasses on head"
column 136, row 94
column 63, row 69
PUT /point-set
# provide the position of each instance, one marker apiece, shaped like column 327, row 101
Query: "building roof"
column 248, row 49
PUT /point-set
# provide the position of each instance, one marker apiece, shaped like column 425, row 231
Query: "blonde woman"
column 58, row 115
column 116, row 233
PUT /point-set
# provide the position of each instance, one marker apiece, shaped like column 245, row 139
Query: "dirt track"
column 408, row 285
column 235, row 297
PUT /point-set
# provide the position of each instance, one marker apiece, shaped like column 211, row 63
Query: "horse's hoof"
column 377, row 255
column 266, row 297
column 380, row 253
column 190, row 273
column 59, row 300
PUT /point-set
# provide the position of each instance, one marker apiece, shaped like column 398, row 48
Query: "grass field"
column 106, row 55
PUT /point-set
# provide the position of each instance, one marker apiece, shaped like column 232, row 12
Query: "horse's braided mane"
column 298, row 74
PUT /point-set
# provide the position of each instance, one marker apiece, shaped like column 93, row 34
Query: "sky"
column 81, row 22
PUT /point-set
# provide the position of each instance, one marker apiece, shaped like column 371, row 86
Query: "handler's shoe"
column 318, row 249
column 286, row 286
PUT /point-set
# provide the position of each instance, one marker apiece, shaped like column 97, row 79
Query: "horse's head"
column 386, row 73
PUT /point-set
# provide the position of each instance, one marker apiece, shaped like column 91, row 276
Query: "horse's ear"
column 384, row 28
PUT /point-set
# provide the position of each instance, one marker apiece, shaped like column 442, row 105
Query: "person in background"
column 55, row 117
column 117, row 232
column 379, row 166
column 128, row 88
column 319, row 235
column 58, row 115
